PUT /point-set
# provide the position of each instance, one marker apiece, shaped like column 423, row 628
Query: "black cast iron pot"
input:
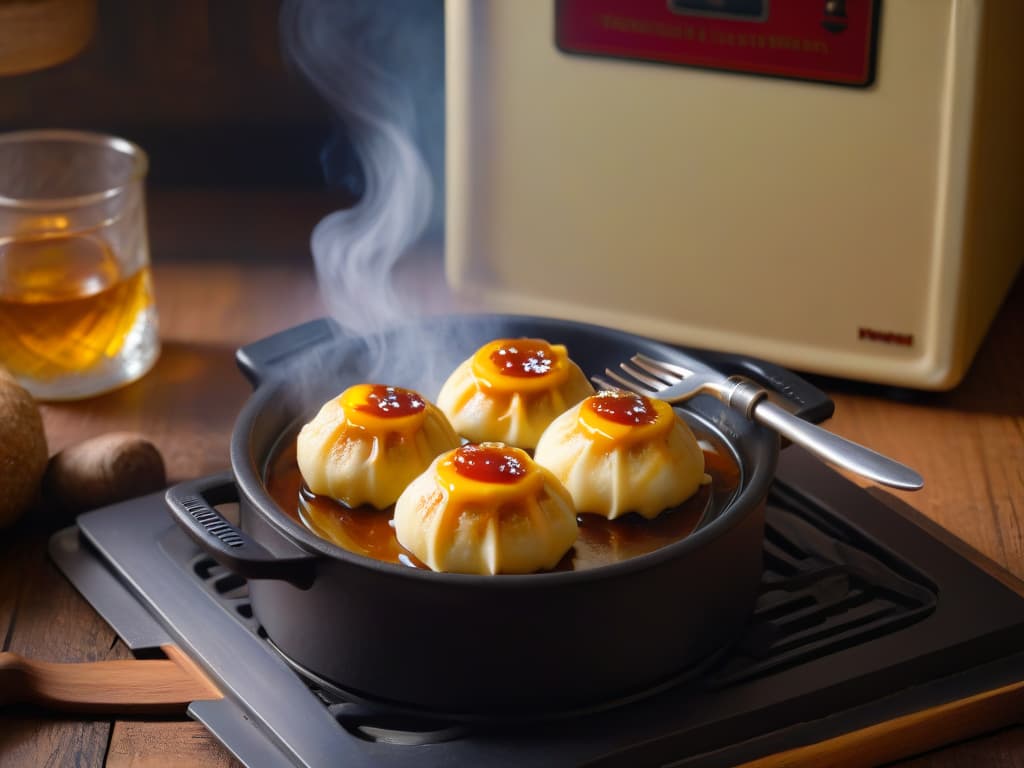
column 482, row 646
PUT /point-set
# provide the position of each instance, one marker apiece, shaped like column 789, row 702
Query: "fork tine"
column 655, row 385
column 661, row 369
column 603, row 383
column 624, row 383
column 667, row 378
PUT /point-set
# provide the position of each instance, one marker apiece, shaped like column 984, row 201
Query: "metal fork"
column 675, row 384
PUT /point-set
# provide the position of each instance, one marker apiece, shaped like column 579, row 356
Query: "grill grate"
column 847, row 632
column 824, row 588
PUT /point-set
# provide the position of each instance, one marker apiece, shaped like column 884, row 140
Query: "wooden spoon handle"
column 128, row 686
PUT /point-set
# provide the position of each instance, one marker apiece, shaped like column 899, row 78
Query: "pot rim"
column 752, row 490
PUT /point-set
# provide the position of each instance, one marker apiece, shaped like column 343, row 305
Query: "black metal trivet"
column 862, row 617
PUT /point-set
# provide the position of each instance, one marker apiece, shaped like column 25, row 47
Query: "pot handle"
column 193, row 507
column 805, row 400
column 801, row 397
column 258, row 359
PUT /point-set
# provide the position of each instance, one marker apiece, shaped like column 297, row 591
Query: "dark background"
column 227, row 117
column 202, row 85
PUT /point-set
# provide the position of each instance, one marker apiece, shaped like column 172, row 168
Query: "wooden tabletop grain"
column 231, row 267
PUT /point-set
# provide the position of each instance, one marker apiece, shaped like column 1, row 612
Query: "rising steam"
column 366, row 60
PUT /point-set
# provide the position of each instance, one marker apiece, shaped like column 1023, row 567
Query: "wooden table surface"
column 231, row 268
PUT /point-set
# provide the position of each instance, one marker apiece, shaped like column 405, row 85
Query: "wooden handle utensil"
column 127, row 686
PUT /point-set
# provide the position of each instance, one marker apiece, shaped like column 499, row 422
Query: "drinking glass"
column 77, row 315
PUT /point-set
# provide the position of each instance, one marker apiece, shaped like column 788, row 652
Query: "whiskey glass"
column 77, row 313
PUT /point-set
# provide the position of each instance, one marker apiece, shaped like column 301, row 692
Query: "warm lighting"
column 43, row 33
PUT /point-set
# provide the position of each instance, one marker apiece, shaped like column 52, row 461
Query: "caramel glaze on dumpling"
column 618, row 452
column 486, row 509
column 510, row 390
column 368, row 443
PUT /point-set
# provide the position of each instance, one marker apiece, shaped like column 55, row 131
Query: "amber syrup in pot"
column 370, row 532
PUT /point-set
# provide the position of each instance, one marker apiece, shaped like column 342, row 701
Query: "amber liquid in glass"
column 65, row 305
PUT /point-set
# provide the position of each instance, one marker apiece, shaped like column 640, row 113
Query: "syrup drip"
column 488, row 463
column 391, row 402
column 523, row 359
column 623, row 408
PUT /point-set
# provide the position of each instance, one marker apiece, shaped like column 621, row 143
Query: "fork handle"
column 836, row 450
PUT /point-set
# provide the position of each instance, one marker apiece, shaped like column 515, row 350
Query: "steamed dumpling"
column 618, row 452
column 486, row 509
column 369, row 442
column 510, row 390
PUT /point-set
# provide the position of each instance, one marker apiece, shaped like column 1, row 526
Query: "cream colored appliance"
column 863, row 221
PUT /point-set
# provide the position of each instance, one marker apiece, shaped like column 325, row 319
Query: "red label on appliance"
column 830, row 41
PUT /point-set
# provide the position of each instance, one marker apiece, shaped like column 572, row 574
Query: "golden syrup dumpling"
column 618, row 452
column 368, row 443
column 486, row 509
column 510, row 390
